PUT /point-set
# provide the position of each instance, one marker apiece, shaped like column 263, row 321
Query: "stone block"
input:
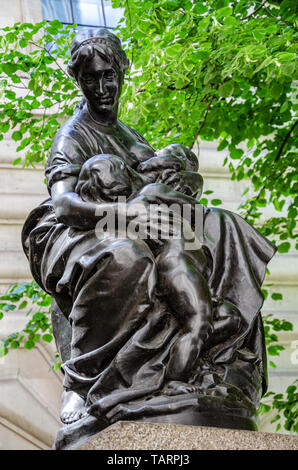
column 131, row 435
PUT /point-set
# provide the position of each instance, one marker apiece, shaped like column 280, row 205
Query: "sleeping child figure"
column 170, row 176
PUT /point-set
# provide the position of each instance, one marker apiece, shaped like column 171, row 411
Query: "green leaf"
column 276, row 418
column 275, row 349
column 38, row 316
column 287, row 69
column 10, row 94
column 223, row 12
column 3, row 351
column 226, row 89
column 200, row 9
column 17, row 135
column 223, row 144
column 250, row 143
column 174, row 50
column 46, row 103
column 48, row 338
column 259, row 34
column 264, row 408
column 265, row 293
column 284, row 247
column 236, row 154
column 284, row 107
column 17, row 161
column 216, row 202
column 291, row 389
column 56, row 23
column 276, row 296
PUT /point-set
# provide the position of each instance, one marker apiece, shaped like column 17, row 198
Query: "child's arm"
column 161, row 162
column 159, row 193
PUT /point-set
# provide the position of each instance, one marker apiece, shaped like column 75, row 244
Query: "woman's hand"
column 148, row 217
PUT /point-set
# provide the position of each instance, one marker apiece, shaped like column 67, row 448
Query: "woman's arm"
column 161, row 162
column 70, row 209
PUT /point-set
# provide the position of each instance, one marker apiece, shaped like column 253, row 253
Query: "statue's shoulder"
column 133, row 131
column 71, row 128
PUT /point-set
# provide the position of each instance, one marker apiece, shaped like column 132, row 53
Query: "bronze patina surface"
column 147, row 329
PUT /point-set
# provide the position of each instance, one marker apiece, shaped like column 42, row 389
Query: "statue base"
column 222, row 411
column 132, row 435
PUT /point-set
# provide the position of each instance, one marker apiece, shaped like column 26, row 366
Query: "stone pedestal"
column 127, row 435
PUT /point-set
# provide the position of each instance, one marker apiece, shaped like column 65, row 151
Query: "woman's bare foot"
column 73, row 407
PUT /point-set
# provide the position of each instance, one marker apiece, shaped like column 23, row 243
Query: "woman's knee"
column 133, row 253
column 137, row 264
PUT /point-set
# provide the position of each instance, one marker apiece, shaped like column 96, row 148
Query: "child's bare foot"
column 73, row 407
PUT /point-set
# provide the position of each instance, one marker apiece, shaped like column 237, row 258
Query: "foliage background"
column 210, row 70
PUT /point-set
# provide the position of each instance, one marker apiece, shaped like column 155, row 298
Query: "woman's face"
column 100, row 84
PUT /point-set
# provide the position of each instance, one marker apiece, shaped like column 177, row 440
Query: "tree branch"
column 255, row 11
column 257, row 197
column 172, row 87
column 285, row 141
column 279, row 19
column 203, row 122
column 56, row 62
column 130, row 28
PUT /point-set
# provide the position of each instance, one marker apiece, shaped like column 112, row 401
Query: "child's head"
column 180, row 151
column 103, row 178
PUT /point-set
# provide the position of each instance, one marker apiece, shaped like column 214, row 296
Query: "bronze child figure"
column 103, row 178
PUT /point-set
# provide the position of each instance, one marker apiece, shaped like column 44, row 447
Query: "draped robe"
column 112, row 330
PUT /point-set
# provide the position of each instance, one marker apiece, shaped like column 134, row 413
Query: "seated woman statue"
column 119, row 313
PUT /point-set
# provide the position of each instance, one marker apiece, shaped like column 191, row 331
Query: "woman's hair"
column 105, row 43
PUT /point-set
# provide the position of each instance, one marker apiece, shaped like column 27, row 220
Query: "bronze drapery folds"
column 147, row 330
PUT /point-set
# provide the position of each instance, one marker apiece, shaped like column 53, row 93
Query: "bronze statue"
column 146, row 328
